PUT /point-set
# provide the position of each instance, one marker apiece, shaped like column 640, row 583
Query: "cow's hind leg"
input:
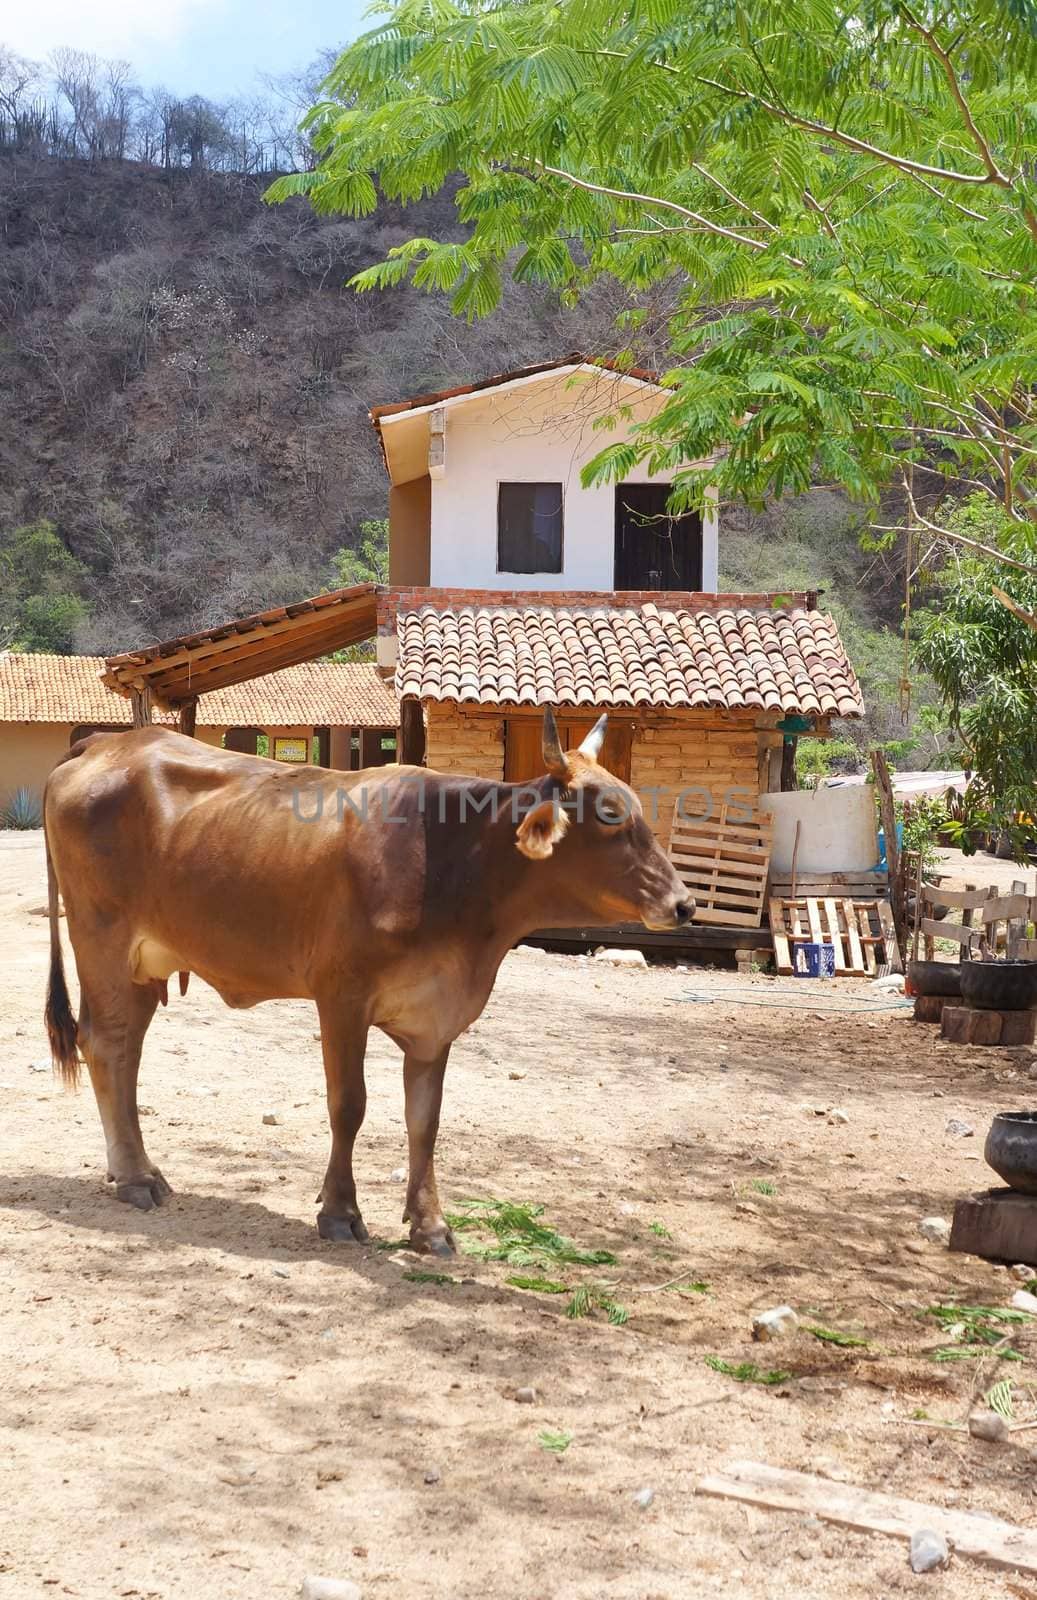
column 113, row 1020
column 344, row 1042
column 423, row 1090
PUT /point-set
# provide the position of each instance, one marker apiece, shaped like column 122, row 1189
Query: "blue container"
column 813, row 961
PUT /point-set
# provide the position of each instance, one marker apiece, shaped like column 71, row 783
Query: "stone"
column 398, row 1175
column 329, row 1589
column 281, row 1272
column 989, row 1425
column 935, row 1229
column 622, row 958
column 929, row 1550
column 776, row 1323
column 432, row 1475
column 643, row 1498
column 1023, row 1300
column 892, row 980
column 271, row 1119
column 958, row 1129
column 39, row 1066
column 837, row 1114
column 1021, row 1272
column 526, row 1396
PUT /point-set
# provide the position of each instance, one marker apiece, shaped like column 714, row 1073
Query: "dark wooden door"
column 653, row 549
column 523, row 746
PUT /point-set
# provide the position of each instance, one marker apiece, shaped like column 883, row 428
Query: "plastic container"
column 813, row 961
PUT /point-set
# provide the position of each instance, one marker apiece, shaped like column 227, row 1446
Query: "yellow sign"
column 292, row 750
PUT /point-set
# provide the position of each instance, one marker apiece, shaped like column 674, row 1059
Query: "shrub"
column 22, row 809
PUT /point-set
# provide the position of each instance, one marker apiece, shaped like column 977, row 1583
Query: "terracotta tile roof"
column 731, row 658
column 44, row 688
column 575, row 358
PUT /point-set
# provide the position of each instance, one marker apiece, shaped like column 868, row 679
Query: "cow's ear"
column 540, row 830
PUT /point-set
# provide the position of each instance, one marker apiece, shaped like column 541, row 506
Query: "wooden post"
column 788, row 764
column 887, row 811
column 412, row 733
column 187, row 716
column 140, row 700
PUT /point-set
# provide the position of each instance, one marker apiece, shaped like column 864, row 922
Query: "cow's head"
column 593, row 826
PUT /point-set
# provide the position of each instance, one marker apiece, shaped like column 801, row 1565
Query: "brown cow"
column 389, row 897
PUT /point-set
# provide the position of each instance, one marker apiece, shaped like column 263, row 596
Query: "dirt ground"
column 208, row 1402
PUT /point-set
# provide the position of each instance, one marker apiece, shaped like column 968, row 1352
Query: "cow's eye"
column 612, row 812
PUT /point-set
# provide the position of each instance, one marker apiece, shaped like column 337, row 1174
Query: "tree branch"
column 650, row 200
column 1016, row 609
column 994, row 172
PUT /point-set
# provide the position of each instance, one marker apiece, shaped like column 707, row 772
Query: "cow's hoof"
column 434, row 1241
column 342, row 1230
column 145, row 1194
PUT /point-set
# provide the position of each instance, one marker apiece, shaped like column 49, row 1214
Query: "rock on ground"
column 775, row 1324
column 622, row 958
column 329, row 1589
column 990, row 1425
column 928, row 1550
column 935, row 1229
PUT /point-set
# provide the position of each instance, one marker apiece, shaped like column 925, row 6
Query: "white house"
column 511, row 587
column 486, row 492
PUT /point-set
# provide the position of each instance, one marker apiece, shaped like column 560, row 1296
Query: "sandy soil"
column 983, row 869
column 209, row 1402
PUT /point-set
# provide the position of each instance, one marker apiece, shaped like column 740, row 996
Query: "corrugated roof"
column 48, row 688
column 730, row 658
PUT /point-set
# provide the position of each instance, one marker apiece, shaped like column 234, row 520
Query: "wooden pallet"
column 860, row 932
column 723, row 861
column 829, row 885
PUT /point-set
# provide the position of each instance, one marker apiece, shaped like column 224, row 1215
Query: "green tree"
column 984, row 662
column 839, row 197
column 368, row 562
column 40, row 580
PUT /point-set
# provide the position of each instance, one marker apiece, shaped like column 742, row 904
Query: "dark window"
column 655, row 550
column 529, row 527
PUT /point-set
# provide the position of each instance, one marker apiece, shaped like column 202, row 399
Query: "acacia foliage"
column 843, row 195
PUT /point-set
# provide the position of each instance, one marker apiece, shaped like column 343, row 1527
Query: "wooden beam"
column 239, row 665
column 140, row 700
column 187, row 717
column 412, row 749
column 894, row 865
column 985, row 1539
column 349, row 623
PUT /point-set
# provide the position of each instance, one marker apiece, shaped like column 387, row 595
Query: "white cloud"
column 125, row 29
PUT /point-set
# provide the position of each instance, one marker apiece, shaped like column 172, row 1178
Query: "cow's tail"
column 62, row 1028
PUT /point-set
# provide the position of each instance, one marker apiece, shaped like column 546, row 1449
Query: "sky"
column 217, row 48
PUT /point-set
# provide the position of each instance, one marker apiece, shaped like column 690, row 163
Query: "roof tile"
column 46, row 688
column 763, row 659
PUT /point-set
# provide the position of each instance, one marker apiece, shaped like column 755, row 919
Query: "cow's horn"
column 554, row 756
column 591, row 746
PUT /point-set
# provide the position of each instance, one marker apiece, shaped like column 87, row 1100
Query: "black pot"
column 1011, row 1149
column 1000, row 985
column 935, row 977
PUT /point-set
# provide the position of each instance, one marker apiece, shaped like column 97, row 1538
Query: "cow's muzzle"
column 677, row 915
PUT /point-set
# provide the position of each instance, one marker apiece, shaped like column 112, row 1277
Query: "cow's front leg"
column 344, row 1042
column 423, row 1090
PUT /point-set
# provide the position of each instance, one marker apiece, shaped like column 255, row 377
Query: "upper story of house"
column 486, row 488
